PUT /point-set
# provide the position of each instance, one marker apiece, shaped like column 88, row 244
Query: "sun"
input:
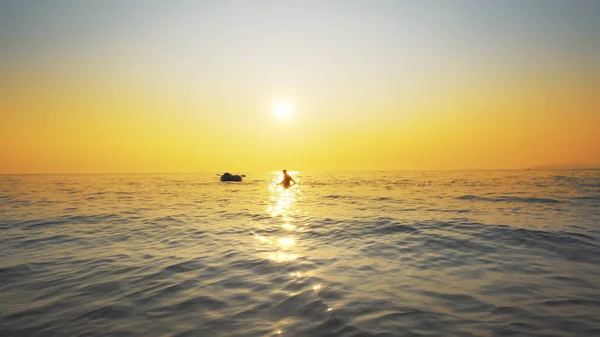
column 284, row 110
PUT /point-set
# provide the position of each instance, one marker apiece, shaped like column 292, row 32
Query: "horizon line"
column 591, row 168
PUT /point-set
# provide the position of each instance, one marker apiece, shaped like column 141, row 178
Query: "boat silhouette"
column 232, row 177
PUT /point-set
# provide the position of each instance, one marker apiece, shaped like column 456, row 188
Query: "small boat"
column 232, row 177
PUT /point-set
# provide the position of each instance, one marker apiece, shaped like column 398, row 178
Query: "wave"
column 71, row 220
column 570, row 303
column 587, row 197
column 510, row 199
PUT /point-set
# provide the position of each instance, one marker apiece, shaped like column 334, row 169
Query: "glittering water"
column 471, row 253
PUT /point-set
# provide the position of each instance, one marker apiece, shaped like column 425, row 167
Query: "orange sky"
column 127, row 96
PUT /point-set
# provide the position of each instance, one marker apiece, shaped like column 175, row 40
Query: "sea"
column 409, row 253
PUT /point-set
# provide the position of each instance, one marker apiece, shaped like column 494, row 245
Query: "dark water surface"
column 461, row 253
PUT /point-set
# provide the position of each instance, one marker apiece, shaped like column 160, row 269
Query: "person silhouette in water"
column 286, row 180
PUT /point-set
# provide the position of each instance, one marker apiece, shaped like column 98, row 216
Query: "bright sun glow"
column 284, row 110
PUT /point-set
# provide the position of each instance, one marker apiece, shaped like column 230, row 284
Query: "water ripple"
column 341, row 254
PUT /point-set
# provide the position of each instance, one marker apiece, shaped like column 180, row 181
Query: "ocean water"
column 456, row 253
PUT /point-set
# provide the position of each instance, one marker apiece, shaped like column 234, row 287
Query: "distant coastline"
column 565, row 167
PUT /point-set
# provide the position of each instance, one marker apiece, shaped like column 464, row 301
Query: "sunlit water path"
column 460, row 253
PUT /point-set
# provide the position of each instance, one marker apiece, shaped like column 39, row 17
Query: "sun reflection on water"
column 282, row 257
column 284, row 230
column 288, row 226
column 262, row 238
column 283, row 204
column 285, row 242
column 282, row 209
